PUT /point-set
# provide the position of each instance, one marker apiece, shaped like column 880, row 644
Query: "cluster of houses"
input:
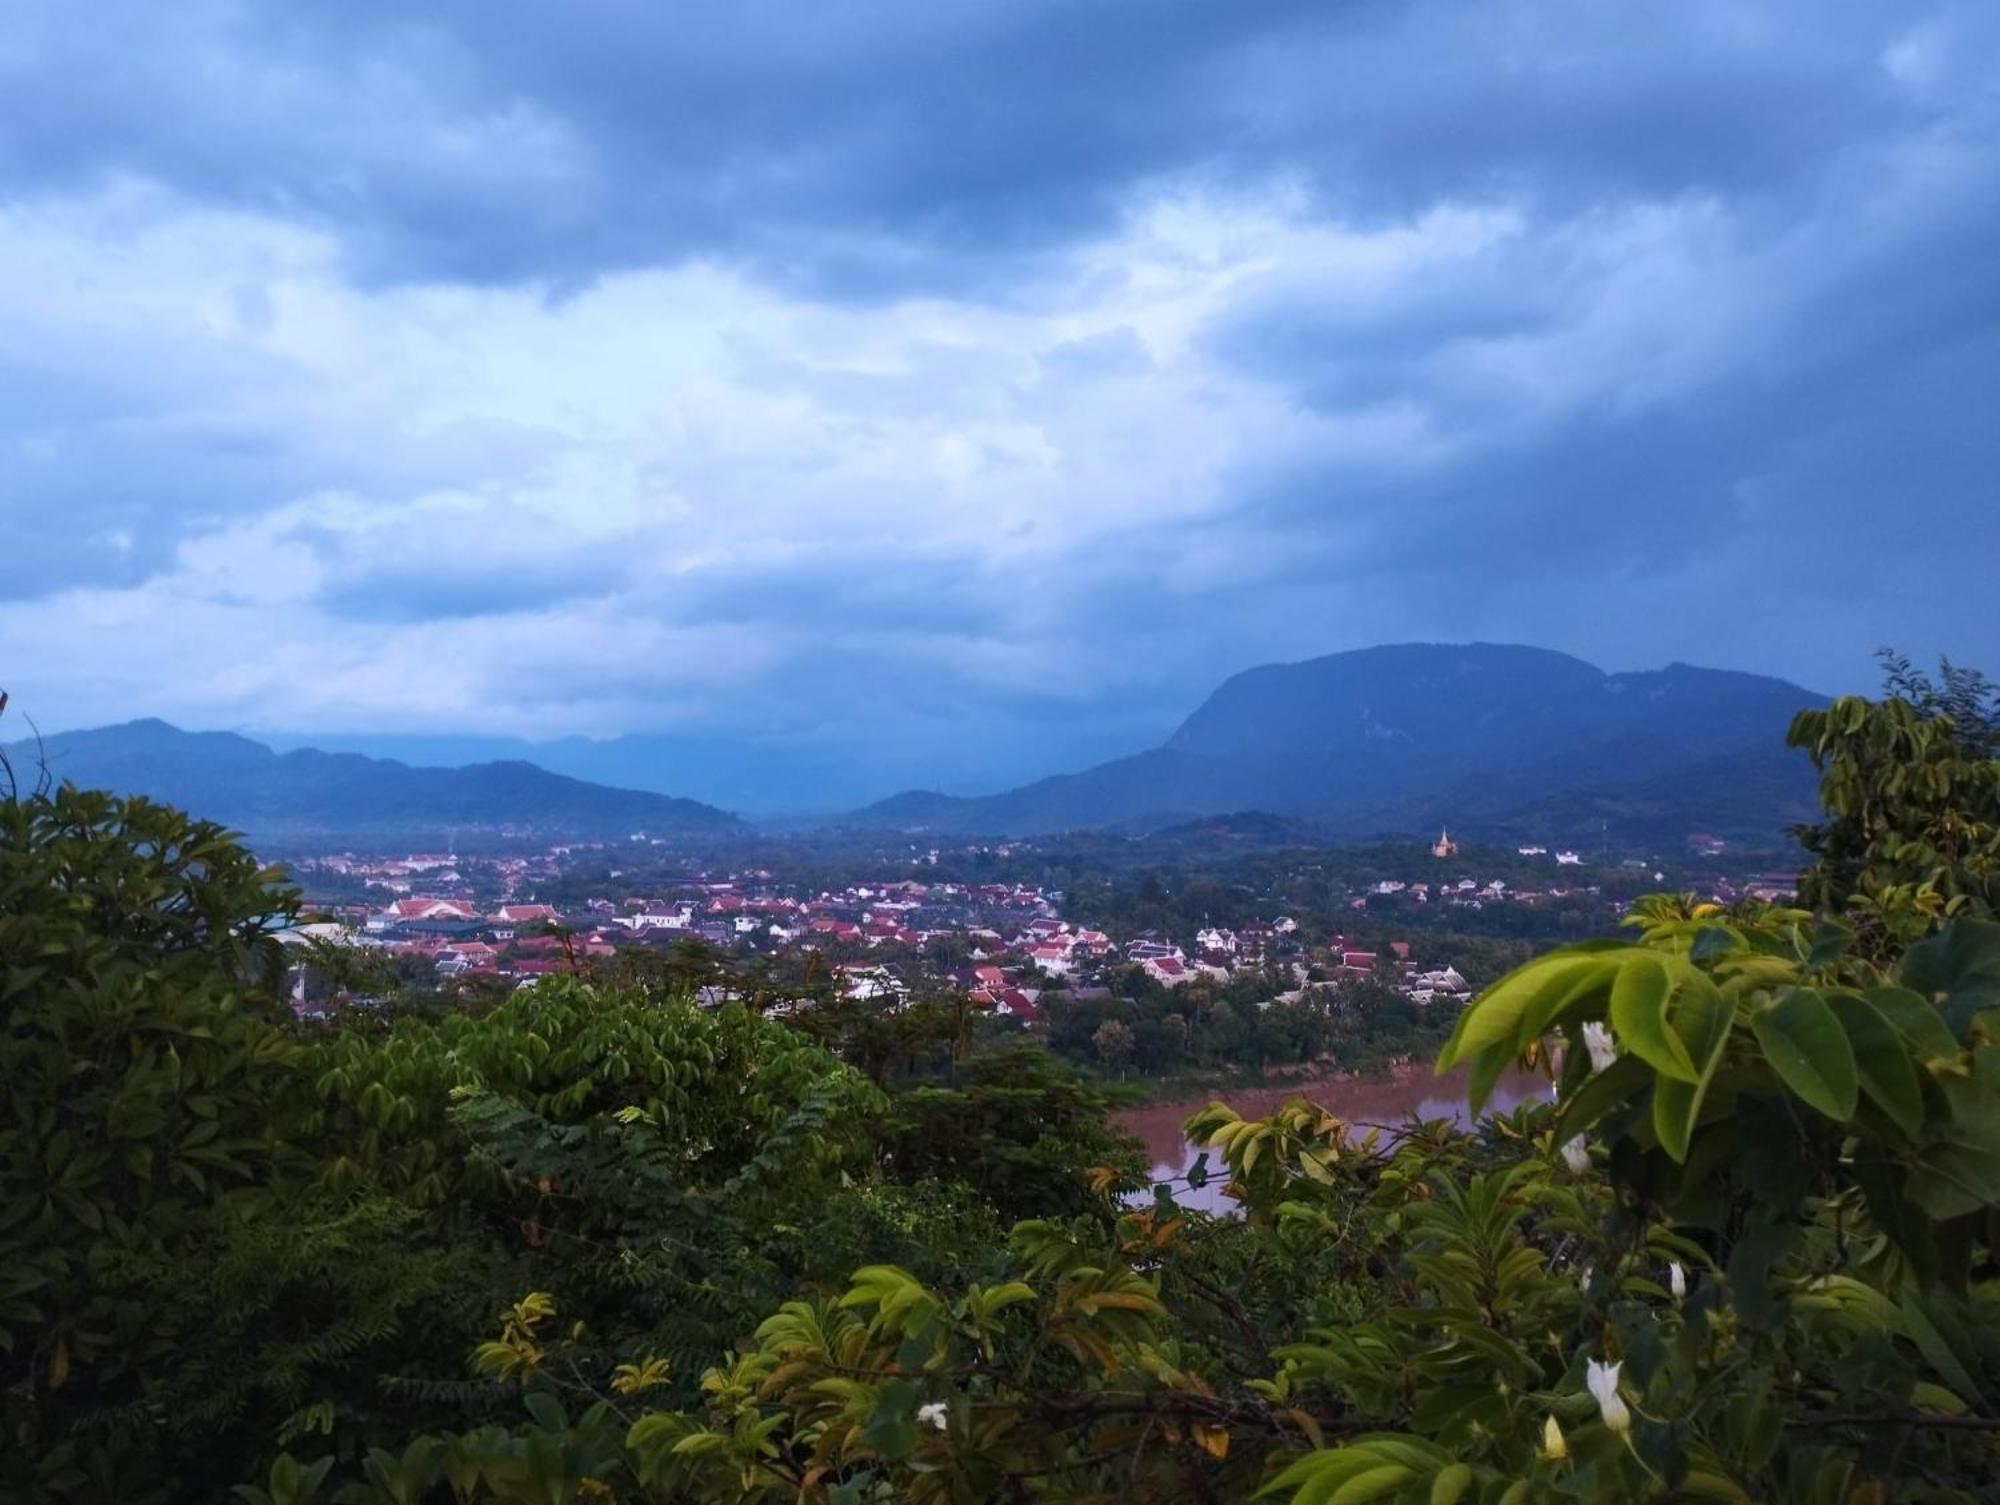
column 1000, row 945
column 1564, row 858
column 1221, row 952
column 741, row 914
column 1003, row 946
column 1466, row 893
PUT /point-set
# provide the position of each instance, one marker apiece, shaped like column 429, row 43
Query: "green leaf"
column 1712, row 943
column 1484, row 1076
column 1882, row 1060
column 1371, row 1485
column 1701, row 1023
column 1961, row 966
column 1809, row 1050
column 1931, row 1343
column 1751, row 1262
column 1494, row 1018
column 1639, row 1016
column 547, row 1411
column 1917, row 1020
column 1957, row 1170
column 1551, row 1004
column 1699, row 1485
column 891, row 1429
column 1560, row 989
column 1830, row 941
column 1601, row 1093
column 1451, row 1484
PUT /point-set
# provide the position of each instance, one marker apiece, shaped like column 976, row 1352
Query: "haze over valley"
column 1497, row 740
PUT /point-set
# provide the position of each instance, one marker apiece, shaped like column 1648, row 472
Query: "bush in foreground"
column 600, row 1245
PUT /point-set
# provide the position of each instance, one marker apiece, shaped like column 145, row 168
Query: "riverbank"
column 1201, row 1086
column 1386, row 1098
column 1197, row 1089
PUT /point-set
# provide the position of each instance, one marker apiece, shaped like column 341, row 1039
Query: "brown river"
column 1385, row 1100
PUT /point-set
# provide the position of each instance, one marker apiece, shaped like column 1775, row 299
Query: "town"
column 1010, row 946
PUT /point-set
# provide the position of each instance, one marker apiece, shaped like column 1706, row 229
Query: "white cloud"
column 680, row 494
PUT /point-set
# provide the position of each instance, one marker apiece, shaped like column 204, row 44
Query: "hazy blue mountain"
column 1492, row 740
column 1406, row 737
column 737, row 773
column 760, row 776
column 309, row 793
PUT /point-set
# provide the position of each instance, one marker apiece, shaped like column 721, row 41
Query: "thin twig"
column 1138, row 1455
column 1942, row 1423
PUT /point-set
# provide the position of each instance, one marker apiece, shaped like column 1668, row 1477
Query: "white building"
column 660, row 917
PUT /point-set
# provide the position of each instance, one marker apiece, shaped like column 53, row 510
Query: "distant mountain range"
column 308, row 794
column 758, row 776
column 1494, row 740
column 1497, row 742
column 777, row 774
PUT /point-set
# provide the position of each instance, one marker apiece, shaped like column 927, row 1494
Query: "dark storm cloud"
column 433, row 588
column 103, row 469
column 875, row 149
column 1848, row 398
column 1645, row 331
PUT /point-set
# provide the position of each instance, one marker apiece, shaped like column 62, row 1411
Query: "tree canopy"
column 600, row 1244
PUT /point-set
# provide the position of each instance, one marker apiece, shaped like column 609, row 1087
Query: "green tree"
column 1113, row 1041
column 1016, row 1127
column 143, row 1055
column 1748, row 1257
column 223, row 1232
column 1912, row 829
column 1965, row 697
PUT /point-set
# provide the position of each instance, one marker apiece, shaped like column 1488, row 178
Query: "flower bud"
column 1602, row 1380
column 1603, row 1049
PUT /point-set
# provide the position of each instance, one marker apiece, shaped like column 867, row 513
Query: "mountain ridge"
column 1404, row 737
column 1494, row 740
column 306, row 793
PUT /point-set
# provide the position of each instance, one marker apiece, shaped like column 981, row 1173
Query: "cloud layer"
column 977, row 376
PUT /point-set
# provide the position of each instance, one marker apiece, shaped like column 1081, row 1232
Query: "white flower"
column 1677, row 1280
column 1602, row 1380
column 1553, row 1446
column 1603, row 1049
column 1583, row 1279
column 1576, row 1155
column 936, row 1414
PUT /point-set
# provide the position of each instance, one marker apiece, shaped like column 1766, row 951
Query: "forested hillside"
column 1495, row 739
column 281, row 797
column 598, row 1243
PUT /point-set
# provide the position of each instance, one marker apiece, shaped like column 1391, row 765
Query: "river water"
column 1386, row 1100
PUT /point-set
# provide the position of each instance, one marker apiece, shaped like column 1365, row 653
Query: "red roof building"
column 525, row 914
column 432, row 909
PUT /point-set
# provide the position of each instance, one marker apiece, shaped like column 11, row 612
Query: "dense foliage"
column 141, row 1068
column 1205, row 1029
column 600, row 1244
column 1912, row 810
column 223, row 1233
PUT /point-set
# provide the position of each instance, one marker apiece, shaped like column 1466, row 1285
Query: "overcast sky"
column 1001, row 373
